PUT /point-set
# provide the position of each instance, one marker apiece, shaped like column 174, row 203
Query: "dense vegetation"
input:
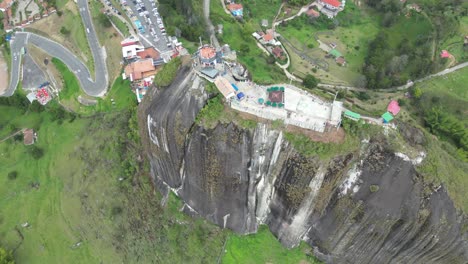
column 183, row 18
column 168, row 73
column 6, row 257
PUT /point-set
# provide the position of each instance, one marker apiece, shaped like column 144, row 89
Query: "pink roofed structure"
column 445, row 54
column 393, row 107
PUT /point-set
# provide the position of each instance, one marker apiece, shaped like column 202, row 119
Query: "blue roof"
column 237, row 12
column 240, row 95
column 235, row 87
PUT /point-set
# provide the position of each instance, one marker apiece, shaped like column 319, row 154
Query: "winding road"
column 96, row 87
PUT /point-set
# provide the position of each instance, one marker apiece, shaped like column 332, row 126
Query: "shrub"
column 116, row 210
column 363, row 96
column 310, row 81
column 36, row 152
column 6, row 257
column 64, row 31
column 12, row 175
column 18, row 137
column 401, row 102
column 373, row 188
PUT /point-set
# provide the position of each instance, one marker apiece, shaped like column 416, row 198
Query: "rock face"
column 369, row 206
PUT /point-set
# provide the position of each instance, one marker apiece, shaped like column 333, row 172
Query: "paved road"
column 96, row 88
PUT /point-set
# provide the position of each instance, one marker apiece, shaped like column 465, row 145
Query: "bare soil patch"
column 4, row 74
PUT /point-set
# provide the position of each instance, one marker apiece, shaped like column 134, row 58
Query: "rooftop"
column 136, row 70
column 224, row 86
column 149, row 53
column 234, row 7
column 393, row 107
column 334, row 3
column 28, row 136
column 268, row 37
column 276, row 96
column 207, row 52
column 335, row 53
column 313, row 13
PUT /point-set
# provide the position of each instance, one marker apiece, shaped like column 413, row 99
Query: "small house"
column 387, row 117
column 264, row 23
column 445, row 54
column 341, row 61
column 312, row 13
column 393, row 107
column 235, row 9
column 352, row 115
column 277, row 52
column 335, row 53
column 29, row 136
column 225, row 87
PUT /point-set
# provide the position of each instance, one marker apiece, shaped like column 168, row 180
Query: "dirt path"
column 12, row 135
column 4, row 74
column 211, row 28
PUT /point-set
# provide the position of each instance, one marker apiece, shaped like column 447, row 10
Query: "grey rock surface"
column 239, row 179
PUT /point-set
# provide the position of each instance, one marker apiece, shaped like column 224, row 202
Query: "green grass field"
column 264, row 248
column 120, row 93
column 351, row 40
column 450, row 91
column 120, row 25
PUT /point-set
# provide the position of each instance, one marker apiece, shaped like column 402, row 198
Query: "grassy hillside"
column 86, row 197
column 263, row 248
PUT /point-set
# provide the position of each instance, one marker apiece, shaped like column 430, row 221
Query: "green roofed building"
column 335, row 53
column 352, row 115
column 387, row 117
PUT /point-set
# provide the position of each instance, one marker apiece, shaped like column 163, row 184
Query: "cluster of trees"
column 386, row 66
column 186, row 15
column 444, row 124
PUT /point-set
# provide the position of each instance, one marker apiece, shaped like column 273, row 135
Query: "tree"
column 36, row 152
column 6, row 257
column 244, row 48
column 64, row 31
column 416, row 92
column 12, row 175
column 310, row 81
column 104, row 20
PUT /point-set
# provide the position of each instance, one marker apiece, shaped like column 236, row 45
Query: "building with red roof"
column 445, row 54
column 393, row 107
column 236, row 9
column 149, row 53
column 312, row 13
column 331, row 4
column 277, row 52
column 140, row 69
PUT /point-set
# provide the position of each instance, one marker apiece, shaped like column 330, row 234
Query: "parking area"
column 33, row 76
column 148, row 22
